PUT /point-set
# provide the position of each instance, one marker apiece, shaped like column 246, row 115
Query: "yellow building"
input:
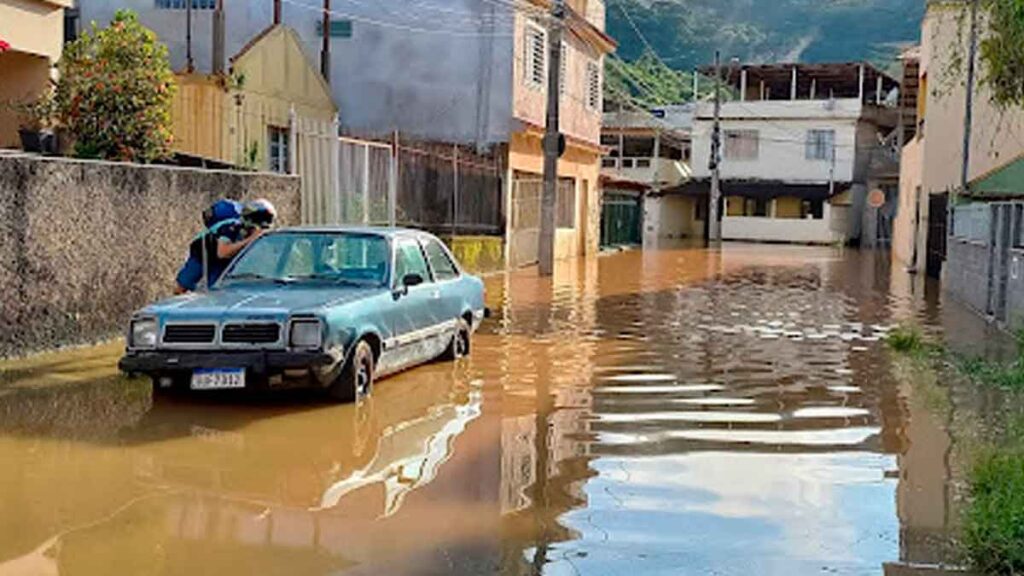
column 34, row 32
column 244, row 119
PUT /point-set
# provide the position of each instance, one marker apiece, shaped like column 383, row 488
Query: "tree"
column 1002, row 51
column 115, row 92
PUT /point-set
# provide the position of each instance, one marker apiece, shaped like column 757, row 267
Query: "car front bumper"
column 155, row 362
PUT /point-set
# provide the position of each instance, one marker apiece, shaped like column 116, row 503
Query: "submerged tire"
column 462, row 342
column 356, row 378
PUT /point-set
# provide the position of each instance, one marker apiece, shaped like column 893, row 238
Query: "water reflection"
column 667, row 411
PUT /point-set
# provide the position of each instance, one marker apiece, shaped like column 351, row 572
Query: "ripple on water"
column 641, row 389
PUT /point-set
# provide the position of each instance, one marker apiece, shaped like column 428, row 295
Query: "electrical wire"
column 400, row 26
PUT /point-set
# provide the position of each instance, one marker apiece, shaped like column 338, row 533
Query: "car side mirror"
column 412, row 279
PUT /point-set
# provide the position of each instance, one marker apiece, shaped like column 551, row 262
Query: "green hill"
column 685, row 33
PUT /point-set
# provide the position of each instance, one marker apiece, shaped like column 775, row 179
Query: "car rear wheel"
column 356, row 379
column 461, row 343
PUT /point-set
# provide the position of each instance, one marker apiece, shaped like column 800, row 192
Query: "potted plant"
column 36, row 127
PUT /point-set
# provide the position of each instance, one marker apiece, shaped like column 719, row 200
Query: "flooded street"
column 679, row 411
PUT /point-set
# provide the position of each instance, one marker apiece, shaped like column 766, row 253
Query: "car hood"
column 261, row 299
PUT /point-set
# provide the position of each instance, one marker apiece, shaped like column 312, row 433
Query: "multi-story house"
column 805, row 152
column 979, row 259
column 31, row 41
column 648, row 151
column 456, row 72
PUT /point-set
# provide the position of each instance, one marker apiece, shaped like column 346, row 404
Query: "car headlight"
column 143, row 333
column 306, row 334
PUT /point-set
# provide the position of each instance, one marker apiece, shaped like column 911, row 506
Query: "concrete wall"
column 966, row 273
column 452, row 63
column 83, row 243
column 904, row 231
column 478, row 254
column 669, row 218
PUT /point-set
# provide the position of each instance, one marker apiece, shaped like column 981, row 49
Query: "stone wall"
column 85, row 243
column 966, row 273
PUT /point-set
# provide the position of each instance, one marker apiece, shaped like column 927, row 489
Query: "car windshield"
column 343, row 258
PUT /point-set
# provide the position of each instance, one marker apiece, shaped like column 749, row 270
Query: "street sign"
column 876, row 198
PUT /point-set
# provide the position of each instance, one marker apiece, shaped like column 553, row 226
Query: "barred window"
column 742, row 144
column 181, row 4
column 820, row 144
column 278, row 149
column 535, row 55
column 593, row 86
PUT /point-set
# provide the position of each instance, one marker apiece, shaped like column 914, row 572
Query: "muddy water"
column 666, row 412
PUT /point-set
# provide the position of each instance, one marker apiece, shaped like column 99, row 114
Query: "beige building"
column 933, row 156
column 34, row 32
column 578, row 214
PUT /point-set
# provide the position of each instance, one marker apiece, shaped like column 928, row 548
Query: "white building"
column 648, row 151
column 801, row 147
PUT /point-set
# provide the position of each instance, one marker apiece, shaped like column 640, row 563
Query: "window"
column 314, row 257
column 180, row 4
column 814, row 209
column 440, row 263
column 755, row 207
column 820, row 144
column 565, row 209
column 535, row 42
column 593, row 86
column 409, row 260
column 278, row 149
column 563, row 66
column 741, row 144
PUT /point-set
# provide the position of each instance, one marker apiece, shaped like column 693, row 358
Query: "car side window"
column 440, row 262
column 409, row 260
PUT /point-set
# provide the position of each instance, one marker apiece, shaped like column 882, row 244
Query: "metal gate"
column 620, row 219
column 936, row 245
column 524, row 222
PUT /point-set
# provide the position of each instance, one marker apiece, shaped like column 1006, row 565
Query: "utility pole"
column 552, row 138
column 972, row 53
column 714, row 221
column 325, row 50
column 218, row 39
column 190, row 64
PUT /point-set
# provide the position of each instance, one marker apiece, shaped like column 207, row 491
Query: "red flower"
column 4, row 46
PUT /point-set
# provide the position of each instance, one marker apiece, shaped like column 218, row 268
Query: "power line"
column 399, row 26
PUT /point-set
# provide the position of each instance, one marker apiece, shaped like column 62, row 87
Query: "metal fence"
column 443, row 188
column 972, row 222
column 366, row 182
column 449, row 189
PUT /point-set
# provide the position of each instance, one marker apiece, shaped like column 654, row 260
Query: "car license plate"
column 218, row 378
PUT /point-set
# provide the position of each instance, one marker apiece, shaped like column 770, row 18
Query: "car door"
column 446, row 277
column 412, row 317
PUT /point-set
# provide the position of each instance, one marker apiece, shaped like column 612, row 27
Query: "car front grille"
column 253, row 333
column 189, row 333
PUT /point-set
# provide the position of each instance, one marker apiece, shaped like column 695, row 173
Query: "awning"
column 764, row 189
column 1006, row 182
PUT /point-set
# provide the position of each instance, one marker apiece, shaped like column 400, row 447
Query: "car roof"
column 385, row 231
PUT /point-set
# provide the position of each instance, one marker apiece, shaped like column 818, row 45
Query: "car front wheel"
column 356, row 378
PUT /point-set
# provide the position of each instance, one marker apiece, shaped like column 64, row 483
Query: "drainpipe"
column 189, row 62
column 277, row 12
column 218, row 39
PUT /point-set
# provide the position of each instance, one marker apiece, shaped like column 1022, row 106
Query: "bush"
column 115, row 92
column 994, row 518
column 906, row 339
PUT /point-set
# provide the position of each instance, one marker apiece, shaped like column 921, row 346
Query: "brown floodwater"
column 679, row 411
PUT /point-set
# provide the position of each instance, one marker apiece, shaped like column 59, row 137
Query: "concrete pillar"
column 814, row 87
column 762, row 90
column 878, row 90
column 743, row 85
column 860, row 84
column 792, row 85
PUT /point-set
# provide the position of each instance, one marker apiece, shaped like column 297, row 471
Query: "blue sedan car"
column 327, row 307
